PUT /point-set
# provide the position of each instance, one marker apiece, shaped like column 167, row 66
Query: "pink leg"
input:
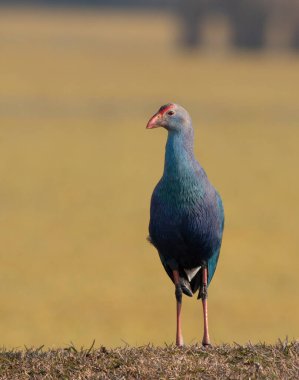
column 178, row 294
column 204, row 296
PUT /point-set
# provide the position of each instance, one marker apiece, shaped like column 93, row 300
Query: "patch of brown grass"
column 260, row 361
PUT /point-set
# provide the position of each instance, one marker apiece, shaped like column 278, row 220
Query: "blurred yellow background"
column 77, row 169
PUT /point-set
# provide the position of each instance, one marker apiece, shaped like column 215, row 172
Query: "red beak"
column 154, row 121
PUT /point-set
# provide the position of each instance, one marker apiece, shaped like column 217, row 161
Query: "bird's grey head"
column 172, row 117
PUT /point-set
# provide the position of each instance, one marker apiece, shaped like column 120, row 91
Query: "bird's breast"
column 184, row 213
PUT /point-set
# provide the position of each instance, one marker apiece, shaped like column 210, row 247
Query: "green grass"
column 77, row 169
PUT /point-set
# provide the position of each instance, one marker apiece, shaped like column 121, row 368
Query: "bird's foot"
column 180, row 343
column 206, row 340
column 206, row 343
column 178, row 293
column 203, row 292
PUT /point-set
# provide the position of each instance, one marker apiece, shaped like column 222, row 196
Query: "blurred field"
column 77, row 169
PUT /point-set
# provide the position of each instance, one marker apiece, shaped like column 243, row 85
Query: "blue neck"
column 179, row 155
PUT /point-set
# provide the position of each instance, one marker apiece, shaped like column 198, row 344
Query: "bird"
column 186, row 215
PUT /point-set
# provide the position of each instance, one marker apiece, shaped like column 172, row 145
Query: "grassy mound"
column 258, row 361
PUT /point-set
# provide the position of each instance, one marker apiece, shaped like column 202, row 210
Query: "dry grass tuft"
column 260, row 361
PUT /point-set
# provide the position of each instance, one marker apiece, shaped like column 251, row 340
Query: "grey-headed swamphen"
column 186, row 217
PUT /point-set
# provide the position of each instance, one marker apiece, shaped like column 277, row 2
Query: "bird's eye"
column 170, row 113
